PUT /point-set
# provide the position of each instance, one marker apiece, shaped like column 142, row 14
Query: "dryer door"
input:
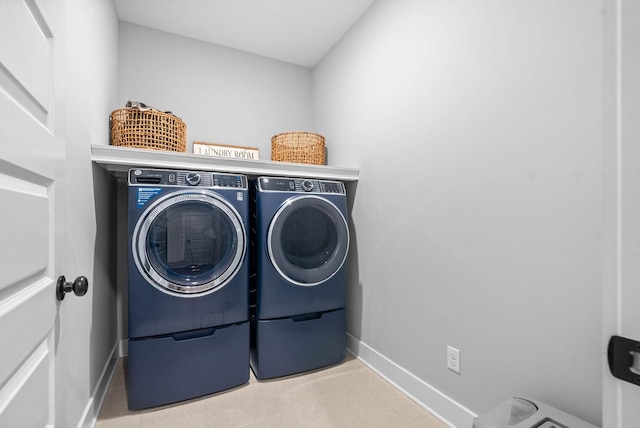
column 189, row 243
column 308, row 240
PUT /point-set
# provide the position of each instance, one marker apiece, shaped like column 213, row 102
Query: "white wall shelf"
column 118, row 160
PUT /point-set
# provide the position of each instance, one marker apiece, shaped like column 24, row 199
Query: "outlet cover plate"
column 453, row 359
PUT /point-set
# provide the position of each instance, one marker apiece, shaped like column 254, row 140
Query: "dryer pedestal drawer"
column 292, row 345
column 171, row 368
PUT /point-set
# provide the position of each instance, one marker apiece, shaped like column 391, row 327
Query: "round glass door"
column 189, row 243
column 308, row 240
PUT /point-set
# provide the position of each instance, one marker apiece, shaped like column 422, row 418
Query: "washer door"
column 189, row 243
column 308, row 240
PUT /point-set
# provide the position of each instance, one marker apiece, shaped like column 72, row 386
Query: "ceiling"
column 296, row 31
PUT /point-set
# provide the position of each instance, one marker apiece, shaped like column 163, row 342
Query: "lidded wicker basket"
column 298, row 147
column 148, row 129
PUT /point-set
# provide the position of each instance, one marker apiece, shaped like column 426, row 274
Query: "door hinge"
column 621, row 359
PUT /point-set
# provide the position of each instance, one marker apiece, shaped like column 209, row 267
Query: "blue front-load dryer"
column 187, row 284
column 298, row 292
column 302, row 244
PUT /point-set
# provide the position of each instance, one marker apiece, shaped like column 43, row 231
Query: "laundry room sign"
column 225, row 151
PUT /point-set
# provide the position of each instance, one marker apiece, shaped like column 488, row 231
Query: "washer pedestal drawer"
column 171, row 368
column 286, row 346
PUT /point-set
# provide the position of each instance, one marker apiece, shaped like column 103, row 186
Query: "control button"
column 193, row 178
column 307, row 185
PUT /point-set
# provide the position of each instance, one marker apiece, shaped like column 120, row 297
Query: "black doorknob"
column 79, row 286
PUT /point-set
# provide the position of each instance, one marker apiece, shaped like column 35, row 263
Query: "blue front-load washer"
column 187, row 284
column 300, row 245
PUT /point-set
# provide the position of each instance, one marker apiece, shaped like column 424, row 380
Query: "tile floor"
column 347, row 395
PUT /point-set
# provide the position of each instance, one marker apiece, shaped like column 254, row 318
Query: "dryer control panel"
column 301, row 185
column 162, row 177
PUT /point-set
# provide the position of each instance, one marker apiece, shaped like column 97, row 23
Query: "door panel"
column 30, row 388
column 25, row 215
column 19, row 326
column 25, row 73
column 31, row 154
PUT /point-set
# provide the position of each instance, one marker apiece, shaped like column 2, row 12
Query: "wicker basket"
column 148, row 129
column 298, row 147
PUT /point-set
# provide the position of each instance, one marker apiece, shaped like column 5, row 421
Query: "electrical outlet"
column 453, row 359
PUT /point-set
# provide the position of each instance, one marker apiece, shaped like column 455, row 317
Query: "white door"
column 31, row 156
column 621, row 400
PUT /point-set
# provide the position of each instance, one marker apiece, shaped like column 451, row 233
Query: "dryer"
column 187, row 284
column 298, row 292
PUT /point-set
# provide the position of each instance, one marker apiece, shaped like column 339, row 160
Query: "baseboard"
column 124, row 347
column 435, row 402
column 90, row 414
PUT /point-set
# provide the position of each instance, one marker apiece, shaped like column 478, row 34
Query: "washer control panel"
column 300, row 185
column 163, row 177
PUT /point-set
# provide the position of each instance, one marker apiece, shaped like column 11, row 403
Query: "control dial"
column 307, row 185
column 193, row 178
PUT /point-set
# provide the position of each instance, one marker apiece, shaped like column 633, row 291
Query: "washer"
column 187, row 284
column 298, row 292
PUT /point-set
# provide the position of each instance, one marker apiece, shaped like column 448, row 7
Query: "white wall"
column 223, row 95
column 477, row 128
column 88, row 324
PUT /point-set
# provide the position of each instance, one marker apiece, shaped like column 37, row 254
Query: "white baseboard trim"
column 124, row 347
column 435, row 402
column 90, row 414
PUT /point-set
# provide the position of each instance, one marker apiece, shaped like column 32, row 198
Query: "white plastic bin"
column 524, row 413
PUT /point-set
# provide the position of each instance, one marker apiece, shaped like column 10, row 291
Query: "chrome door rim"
column 141, row 259
column 285, row 206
